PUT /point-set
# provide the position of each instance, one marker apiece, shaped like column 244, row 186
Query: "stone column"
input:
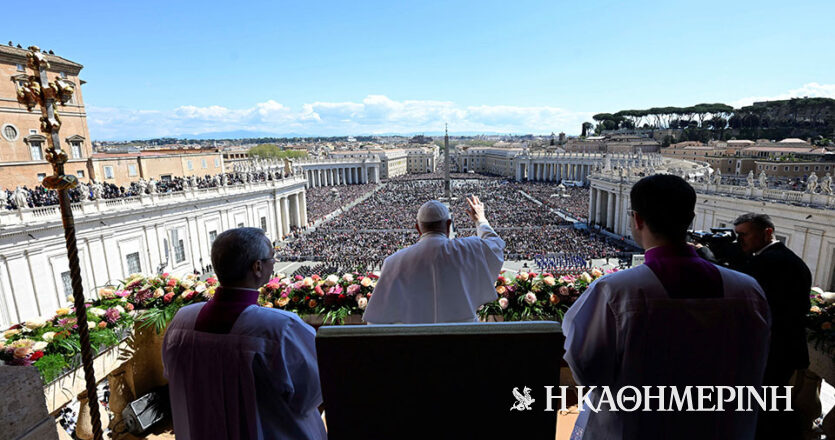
column 342, row 176
column 285, row 214
column 618, row 223
column 297, row 210
column 592, row 204
column 279, row 218
column 610, row 211
column 303, row 204
column 598, row 206
column 364, row 174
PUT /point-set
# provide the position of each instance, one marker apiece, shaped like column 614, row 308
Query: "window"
column 203, row 163
column 806, row 169
column 33, row 131
column 80, row 173
column 36, row 151
column 189, row 166
column 63, row 75
column 179, row 247
column 131, row 170
column 108, row 172
column 41, row 177
column 134, row 266
column 165, row 177
column 212, row 237
column 20, row 67
column 217, row 162
column 797, row 168
column 66, row 280
column 10, row 132
column 240, row 225
column 264, row 224
column 76, row 149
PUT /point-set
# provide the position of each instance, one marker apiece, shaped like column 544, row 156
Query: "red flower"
column 315, row 277
column 172, row 283
column 165, row 275
column 319, row 291
column 36, row 355
column 168, row 297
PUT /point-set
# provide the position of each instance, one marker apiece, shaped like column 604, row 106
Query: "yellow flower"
column 283, row 301
column 815, row 309
column 585, row 277
column 9, row 333
column 596, row 273
column 268, row 305
column 549, row 281
column 501, row 290
column 62, row 311
column 365, row 282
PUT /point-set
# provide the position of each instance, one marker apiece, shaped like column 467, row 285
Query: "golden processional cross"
column 39, row 91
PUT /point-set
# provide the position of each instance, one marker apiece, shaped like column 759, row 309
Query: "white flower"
column 48, row 336
column 331, row 280
column 817, row 290
column 200, row 287
column 96, row 311
column 366, row 282
column 120, row 309
column 280, row 276
column 307, row 282
column 348, row 277
column 187, row 283
column 362, row 303
column 549, row 281
column 159, row 293
column 91, row 325
column 503, row 303
column 530, row 298
column 376, row 273
column 828, row 297
column 585, row 277
column 40, row 345
column 32, row 325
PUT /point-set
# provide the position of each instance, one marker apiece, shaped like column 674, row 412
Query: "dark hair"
column 234, row 251
column 762, row 221
column 666, row 203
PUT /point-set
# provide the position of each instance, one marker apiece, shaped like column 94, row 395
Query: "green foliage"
column 103, row 338
column 159, row 318
column 270, row 151
column 51, row 366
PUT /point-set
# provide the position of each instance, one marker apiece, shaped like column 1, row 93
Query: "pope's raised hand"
column 475, row 209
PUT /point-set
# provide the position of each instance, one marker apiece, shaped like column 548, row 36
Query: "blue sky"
column 158, row 68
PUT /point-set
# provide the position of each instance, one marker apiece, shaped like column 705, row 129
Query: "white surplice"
column 259, row 381
column 438, row 279
column 626, row 330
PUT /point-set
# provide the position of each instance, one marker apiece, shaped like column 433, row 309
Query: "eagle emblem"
column 523, row 401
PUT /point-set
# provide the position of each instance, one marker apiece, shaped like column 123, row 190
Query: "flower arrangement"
column 53, row 346
column 333, row 297
column 821, row 320
column 537, row 296
column 159, row 297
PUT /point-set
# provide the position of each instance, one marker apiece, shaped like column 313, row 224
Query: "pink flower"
column 168, row 297
column 273, row 286
column 315, row 277
column 319, row 291
column 530, row 298
column 171, row 283
column 298, row 277
column 129, row 307
column 353, row 289
column 112, row 315
column 165, row 275
column 503, row 303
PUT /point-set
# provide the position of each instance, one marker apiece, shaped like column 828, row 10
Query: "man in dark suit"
column 786, row 281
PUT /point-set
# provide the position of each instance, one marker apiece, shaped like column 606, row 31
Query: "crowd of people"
column 40, row 196
column 383, row 223
column 322, row 201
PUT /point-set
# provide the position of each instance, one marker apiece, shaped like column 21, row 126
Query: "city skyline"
column 376, row 68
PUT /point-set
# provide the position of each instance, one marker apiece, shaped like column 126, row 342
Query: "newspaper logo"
column 523, row 401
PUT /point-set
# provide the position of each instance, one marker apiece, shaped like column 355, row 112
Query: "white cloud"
column 811, row 90
column 374, row 114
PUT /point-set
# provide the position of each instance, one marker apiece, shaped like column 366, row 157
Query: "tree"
column 586, row 128
column 271, row 151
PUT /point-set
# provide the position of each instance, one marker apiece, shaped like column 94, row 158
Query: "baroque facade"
column 804, row 222
column 171, row 232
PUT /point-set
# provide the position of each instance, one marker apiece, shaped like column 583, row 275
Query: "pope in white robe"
column 439, row 279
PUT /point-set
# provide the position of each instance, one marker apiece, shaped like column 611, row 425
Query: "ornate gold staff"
column 39, row 91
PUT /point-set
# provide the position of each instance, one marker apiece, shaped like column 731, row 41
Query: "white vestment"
column 259, row 381
column 626, row 330
column 438, row 279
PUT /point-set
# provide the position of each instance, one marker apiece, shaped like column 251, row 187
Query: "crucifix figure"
column 38, row 91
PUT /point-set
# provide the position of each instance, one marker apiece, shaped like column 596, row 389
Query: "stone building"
column 22, row 144
column 171, row 232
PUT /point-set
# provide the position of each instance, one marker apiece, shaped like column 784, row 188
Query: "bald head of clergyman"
column 433, row 216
